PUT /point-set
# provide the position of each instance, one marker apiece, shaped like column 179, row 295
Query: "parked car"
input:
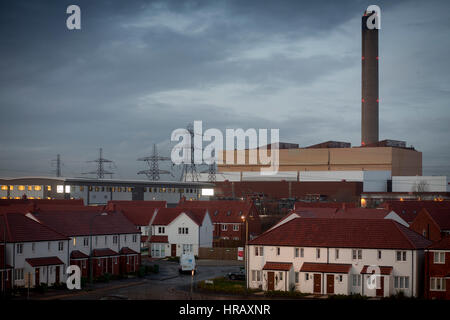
column 238, row 275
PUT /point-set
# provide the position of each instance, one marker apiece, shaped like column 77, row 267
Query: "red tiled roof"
column 384, row 270
column 441, row 216
column 223, row 211
column 20, row 228
column 78, row 223
column 126, row 250
column 409, row 209
column 44, row 261
column 343, row 233
column 362, row 213
column 106, row 252
column 337, row 205
column 138, row 212
column 305, row 212
column 77, row 254
column 443, row 244
column 165, row 216
column 161, row 239
column 281, row 266
column 325, row 267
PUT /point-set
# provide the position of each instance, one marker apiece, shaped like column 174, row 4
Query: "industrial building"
column 100, row 191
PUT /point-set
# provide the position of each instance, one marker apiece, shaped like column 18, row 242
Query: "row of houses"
column 39, row 243
column 336, row 250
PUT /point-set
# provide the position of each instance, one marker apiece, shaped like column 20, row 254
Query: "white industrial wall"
column 430, row 183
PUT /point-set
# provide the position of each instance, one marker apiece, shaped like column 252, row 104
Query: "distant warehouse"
column 100, row 191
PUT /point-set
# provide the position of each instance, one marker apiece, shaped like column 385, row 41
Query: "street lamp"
column 90, row 244
column 246, row 249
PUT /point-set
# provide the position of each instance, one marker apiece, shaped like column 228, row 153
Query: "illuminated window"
column 4, row 198
column 49, row 188
column 11, row 187
column 4, row 187
column 97, row 189
column 81, row 188
column 67, row 189
column 17, row 198
column 130, row 189
column 60, row 189
column 37, row 188
column 31, row 198
column 30, row 188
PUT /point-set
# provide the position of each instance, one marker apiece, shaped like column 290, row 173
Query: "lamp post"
column 246, row 250
column 4, row 258
column 90, row 244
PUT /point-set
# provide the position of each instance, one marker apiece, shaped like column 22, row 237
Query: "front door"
column 173, row 250
column 37, row 278
column 57, row 274
column 271, row 281
column 317, row 283
column 380, row 291
column 330, row 284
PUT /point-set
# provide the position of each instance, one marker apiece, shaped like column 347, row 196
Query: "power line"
column 100, row 172
column 57, row 162
column 153, row 162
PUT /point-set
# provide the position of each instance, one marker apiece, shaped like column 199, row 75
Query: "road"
column 168, row 284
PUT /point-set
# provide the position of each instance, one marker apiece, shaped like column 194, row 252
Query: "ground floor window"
column 296, row 277
column 256, row 275
column 356, row 280
column 187, row 248
column 18, row 274
column 401, row 282
column 437, row 284
column 158, row 250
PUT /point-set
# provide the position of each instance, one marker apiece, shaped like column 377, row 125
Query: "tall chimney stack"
column 369, row 83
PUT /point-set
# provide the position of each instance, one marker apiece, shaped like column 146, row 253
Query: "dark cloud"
column 139, row 69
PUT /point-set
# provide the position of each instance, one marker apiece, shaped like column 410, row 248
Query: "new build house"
column 35, row 253
column 175, row 231
column 338, row 256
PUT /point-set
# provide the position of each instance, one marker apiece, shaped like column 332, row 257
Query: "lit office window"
column 37, row 188
column 21, row 188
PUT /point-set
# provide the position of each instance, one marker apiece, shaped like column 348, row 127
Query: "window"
column 317, row 253
column 302, row 252
column 33, row 246
column 60, row 246
column 296, row 252
column 37, row 188
column 278, row 251
column 4, row 187
column 21, row 188
column 125, row 238
column 183, row 230
column 49, row 188
column 306, row 276
column 135, row 238
column 336, row 254
column 96, row 240
column 296, row 277
column 379, row 254
column 340, row 278
column 85, row 242
column 161, row 229
column 187, row 248
column 280, row 276
column 401, row 282
column 18, row 274
column 235, row 227
column 115, row 238
column 30, row 188
column 356, row 280
column 401, row 255
column 439, row 257
column 437, row 284
column 259, row 251
column 224, row 227
column 81, row 188
column 357, row 254
column 19, row 249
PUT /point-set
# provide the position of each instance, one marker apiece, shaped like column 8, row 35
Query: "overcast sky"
column 137, row 70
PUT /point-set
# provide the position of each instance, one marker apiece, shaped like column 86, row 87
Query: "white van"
column 187, row 263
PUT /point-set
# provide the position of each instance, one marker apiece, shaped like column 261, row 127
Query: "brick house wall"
column 423, row 224
column 436, row 270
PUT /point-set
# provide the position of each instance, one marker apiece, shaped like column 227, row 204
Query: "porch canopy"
column 383, row 270
column 45, row 261
column 325, row 267
column 278, row 266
